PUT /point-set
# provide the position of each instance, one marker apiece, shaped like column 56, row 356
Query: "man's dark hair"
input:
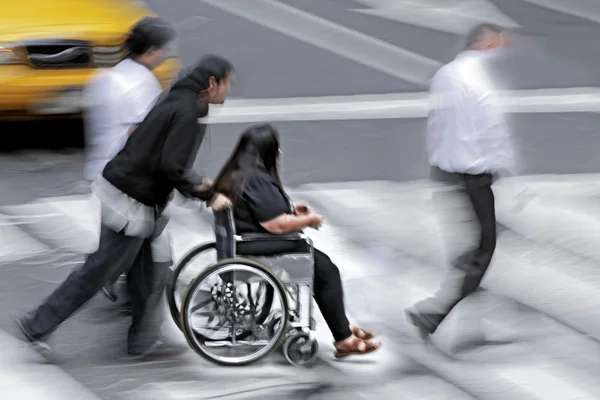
column 148, row 33
column 216, row 66
column 479, row 33
column 197, row 77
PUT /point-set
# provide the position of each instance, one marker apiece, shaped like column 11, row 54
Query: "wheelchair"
column 238, row 310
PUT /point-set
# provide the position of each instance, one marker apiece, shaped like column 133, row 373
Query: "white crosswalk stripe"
column 15, row 244
column 372, row 230
column 21, row 366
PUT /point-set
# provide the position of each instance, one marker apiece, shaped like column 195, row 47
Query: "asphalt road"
column 332, row 151
column 548, row 50
column 548, row 53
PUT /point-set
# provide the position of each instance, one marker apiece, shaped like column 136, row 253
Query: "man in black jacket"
column 134, row 190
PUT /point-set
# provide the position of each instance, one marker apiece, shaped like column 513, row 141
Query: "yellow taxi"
column 49, row 50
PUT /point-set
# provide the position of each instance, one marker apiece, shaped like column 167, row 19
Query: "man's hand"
column 205, row 185
column 220, row 202
column 302, row 208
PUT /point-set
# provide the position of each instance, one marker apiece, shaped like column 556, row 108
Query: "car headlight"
column 9, row 54
column 108, row 56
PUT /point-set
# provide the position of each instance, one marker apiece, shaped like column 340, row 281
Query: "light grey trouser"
column 465, row 208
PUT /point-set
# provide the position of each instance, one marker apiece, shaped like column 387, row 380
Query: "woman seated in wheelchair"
column 250, row 178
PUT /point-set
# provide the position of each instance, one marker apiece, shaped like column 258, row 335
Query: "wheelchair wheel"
column 219, row 315
column 191, row 265
column 188, row 268
column 300, row 350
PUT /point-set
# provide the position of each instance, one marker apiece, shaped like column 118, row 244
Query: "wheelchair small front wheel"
column 300, row 350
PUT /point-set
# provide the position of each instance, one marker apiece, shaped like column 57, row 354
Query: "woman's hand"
column 302, row 208
column 316, row 221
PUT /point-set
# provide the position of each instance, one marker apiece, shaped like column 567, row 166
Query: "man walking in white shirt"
column 468, row 146
column 119, row 99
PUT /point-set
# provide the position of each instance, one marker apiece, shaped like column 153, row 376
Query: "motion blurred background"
column 345, row 82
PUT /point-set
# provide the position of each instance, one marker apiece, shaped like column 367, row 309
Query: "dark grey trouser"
column 161, row 256
column 116, row 254
column 466, row 212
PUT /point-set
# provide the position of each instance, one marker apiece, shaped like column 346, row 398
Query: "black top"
column 262, row 200
column 158, row 156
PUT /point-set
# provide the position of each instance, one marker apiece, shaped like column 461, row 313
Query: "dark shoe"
column 111, row 312
column 134, row 355
column 424, row 328
column 158, row 349
column 126, row 309
column 36, row 344
column 109, row 291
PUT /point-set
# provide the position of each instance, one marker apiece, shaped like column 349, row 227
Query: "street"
column 367, row 177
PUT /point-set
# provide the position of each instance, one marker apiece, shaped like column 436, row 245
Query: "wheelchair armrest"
column 253, row 237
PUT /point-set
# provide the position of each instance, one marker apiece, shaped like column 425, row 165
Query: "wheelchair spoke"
column 201, row 305
column 236, row 325
column 212, row 334
column 215, row 328
column 250, row 297
column 234, row 320
column 208, row 313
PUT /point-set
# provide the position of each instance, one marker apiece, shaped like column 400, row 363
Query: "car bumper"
column 27, row 93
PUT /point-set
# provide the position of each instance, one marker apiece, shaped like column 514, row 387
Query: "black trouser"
column 468, row 270
column 116, row 254
column 328, row 291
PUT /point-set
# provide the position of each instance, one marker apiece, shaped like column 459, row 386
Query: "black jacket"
column 158, row 156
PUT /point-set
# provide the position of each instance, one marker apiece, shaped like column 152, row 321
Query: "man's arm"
column 446, row 93
column 496, row 138
column 177, row 156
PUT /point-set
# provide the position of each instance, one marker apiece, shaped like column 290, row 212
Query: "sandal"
column 354, row 346
column 362, row 333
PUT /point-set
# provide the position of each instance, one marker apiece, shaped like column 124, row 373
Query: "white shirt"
column 117, row 100
column 466, row 131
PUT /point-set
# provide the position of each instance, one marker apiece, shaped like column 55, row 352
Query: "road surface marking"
column 543, row 384
column 357, row 267
column 585, row 9
column 16, row 244
column 452, row 16
column 26, row 377
column 394, row 106
column 335, row 38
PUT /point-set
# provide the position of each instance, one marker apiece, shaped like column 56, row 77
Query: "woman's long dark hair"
column 257, row 149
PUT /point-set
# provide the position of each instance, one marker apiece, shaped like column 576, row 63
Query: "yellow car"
column 49, row 50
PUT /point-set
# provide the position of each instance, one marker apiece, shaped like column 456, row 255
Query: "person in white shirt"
column 469, row 146
column 119, row 99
